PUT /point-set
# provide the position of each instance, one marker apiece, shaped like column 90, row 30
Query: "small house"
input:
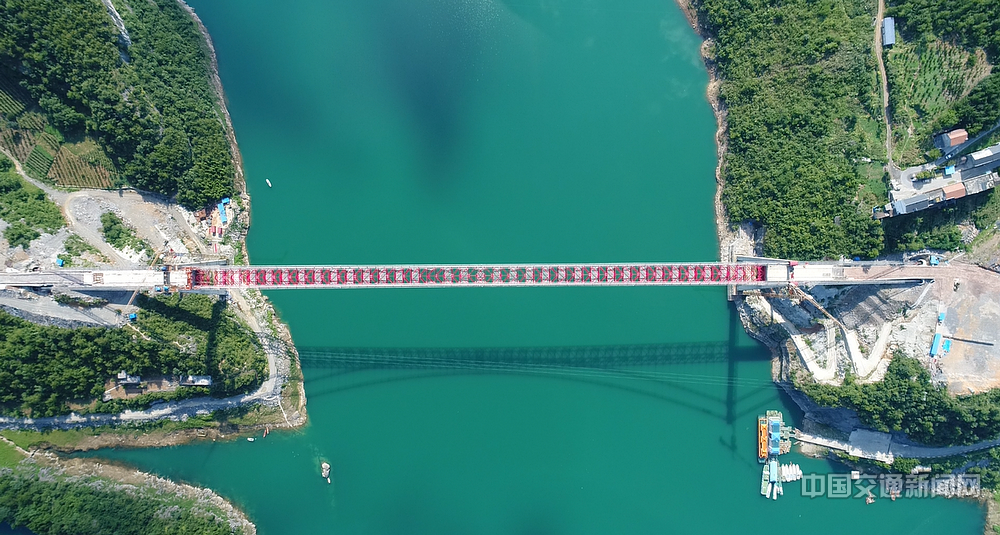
column 888, row 32
column 979, row 184
column 196, row 380
column 913, row 204
column 981, row 156
column 952, row 139
column 126, row 379
column 953, row 191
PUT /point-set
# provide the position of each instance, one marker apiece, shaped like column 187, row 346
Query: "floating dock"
column 774, row 439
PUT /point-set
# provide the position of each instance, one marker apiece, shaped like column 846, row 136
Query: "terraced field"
column 26, row 134
column 38, row 163
column 17, row 142
column 68, row 169
column 17, row 96
column 8, row 106
column 32, row 121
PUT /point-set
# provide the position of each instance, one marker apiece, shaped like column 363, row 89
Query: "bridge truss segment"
column 276, row 277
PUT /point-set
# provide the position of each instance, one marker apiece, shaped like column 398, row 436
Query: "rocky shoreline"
column 117, row 478
column 726, row 235
column 745, row 240
column 258, row 304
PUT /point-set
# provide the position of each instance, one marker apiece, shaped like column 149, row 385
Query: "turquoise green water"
column 454, row 131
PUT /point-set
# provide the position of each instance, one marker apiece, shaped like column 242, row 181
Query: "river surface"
column 462, row 131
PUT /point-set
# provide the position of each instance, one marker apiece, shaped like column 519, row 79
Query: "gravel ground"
column 972, row 317
column 163, row 225
column 907, row 318
column 46, row 311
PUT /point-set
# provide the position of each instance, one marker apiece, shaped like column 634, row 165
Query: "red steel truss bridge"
column 272, row 277
column 746, row 272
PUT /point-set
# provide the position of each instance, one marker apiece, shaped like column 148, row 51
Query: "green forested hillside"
column 25, row 208
column 799, row 84
column 42, row 367
column 149, row 104
column 925, row 26
column 970, row 22
column 906, row 400
column 47, row 500
column 979, row 110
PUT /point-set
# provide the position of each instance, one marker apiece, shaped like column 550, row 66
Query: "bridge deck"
column 743, row 274
column 862, row 274
column 482, row 275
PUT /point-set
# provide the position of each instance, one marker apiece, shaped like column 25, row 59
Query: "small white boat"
column 250, row 439
column 268, row 180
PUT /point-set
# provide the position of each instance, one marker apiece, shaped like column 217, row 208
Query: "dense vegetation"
column 121, row 237
column 25, row 208
column 971, row 22
column 798, row 77
column 204, row 327
column 906, row 400
column 978, row 111
column 43, row 367
column 147, row 99
column 930, row 229
column 47, row 501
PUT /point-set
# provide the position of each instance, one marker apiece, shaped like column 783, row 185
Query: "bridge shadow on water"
column 665, row 372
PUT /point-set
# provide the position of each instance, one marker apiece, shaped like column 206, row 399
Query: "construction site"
column 948, row 322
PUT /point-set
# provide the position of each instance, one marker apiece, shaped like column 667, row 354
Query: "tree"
column 20, row 234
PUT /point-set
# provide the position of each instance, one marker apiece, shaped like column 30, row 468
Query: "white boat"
column 268, row 180
column 250, row 439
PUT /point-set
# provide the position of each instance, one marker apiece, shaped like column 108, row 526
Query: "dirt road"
column 884, row 83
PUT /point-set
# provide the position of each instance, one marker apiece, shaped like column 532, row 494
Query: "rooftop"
column 888, row 32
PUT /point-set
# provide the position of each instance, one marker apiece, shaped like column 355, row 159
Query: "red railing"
column 502, row 275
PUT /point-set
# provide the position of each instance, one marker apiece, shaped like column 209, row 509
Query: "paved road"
column 898, row 450
column 269, row 394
